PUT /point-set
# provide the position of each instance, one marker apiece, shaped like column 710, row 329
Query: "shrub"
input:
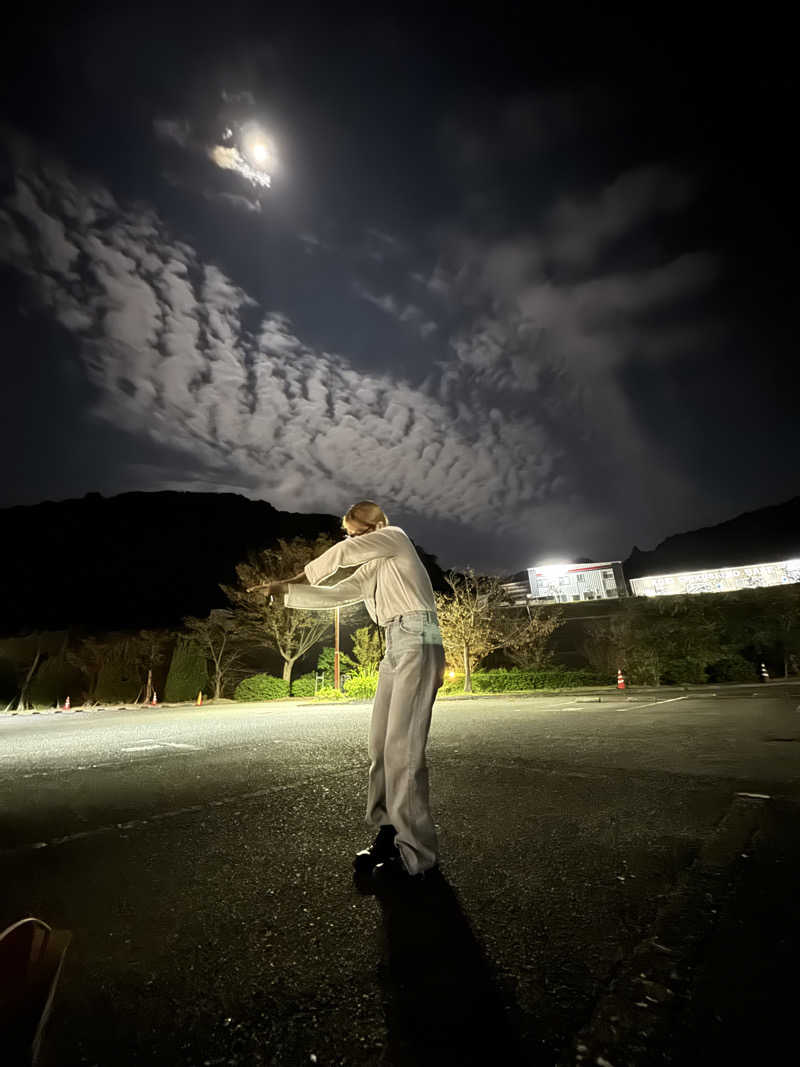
column 732, row 668
column 55, row 681
column 361, row 684
column 303, row 686
column 188, row 672
column 325, row 662
column 116, row 683
column 504, row 681
column 8, row 680
column 452, row 685
column 261, row 687
column 328, row 693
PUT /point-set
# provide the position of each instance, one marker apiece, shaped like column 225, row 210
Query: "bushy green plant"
column 8, row 680
column 452, row 685
column 116, row 682
column 367, row 647
column 509, row 681
column 303, row 686
column 325, row 662
column 55, row 681
column 261, row 687
column 329, row 694
column 732, row 668
column 188, row 672
column 361, row 684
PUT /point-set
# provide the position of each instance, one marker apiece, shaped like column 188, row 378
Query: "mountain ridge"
column 148, row 559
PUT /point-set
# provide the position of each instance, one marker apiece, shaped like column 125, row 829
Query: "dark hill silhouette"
column 763, row 536
column 138, row 559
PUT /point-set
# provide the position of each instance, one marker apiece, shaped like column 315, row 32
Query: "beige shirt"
column 390, row 579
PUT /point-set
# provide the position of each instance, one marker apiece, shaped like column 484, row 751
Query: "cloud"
column 579, row 229
column 165, row 341
column 410, row 314
column 519, row 422
column 177, row 130
column 241, row 149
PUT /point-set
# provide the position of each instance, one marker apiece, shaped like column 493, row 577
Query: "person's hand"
column 269, row 589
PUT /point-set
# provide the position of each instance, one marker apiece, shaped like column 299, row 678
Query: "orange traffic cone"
column 764, row 673
column 154, row 701
column 620, row 679
column 67, row 704
column 200, row 698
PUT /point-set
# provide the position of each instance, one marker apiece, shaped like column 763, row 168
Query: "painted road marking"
column 670, row 700
column 615, row 707
column 141, row 747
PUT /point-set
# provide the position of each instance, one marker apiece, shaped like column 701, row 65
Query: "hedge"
column 261, row 687
column 504, row 681
column 304, row 686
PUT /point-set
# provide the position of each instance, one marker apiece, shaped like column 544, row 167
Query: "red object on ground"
column 154, row 701
column 67, row 704
column 620, row 679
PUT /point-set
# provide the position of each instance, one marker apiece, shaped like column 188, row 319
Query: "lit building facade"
column 719, row 580
column 566, row 582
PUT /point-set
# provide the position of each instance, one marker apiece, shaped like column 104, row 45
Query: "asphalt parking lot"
column 201, row 860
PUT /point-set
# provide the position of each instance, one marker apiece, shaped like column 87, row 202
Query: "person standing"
column 397, row 592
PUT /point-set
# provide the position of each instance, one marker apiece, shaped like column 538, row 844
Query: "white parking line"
column 669, row 700
column 162, row 744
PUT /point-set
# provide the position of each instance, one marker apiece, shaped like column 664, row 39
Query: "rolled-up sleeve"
column 359, row 586
column 380, row 544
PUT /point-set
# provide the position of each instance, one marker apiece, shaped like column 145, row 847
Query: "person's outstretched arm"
column 352, row 590
column 353, row 551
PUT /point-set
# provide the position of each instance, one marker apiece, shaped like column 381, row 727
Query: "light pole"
column 336, row 649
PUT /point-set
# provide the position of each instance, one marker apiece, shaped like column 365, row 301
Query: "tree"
column 89, row 656
column 146, row 651
column 325, row 663
column 25, row 685
column 773, row 623
column 476, row 618
column 289, row 631
column 219, row 638
column 659, row 639
column 188, row 672
column 530, row 650
column 367, row 647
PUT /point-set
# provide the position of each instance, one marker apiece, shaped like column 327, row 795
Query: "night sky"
column 528, row 281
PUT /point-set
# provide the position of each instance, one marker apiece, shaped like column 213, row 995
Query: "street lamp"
column 336, row 649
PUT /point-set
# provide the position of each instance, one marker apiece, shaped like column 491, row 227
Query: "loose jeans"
column 408, row 677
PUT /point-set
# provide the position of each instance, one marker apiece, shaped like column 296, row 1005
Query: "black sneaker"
column 392, row 875
column 382, row 848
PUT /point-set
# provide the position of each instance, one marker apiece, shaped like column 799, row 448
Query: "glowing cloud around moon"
column 254, row 158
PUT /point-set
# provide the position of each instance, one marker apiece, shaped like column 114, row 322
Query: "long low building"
column 718, row 580
column 563, row 583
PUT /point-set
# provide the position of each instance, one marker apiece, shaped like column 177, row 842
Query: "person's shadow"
column 442, row 1004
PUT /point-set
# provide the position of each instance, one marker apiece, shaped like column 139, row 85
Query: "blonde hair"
column 367, row 513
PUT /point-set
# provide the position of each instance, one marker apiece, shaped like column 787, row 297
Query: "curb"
column 633, row 1020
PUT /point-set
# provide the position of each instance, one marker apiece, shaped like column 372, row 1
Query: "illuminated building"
column 719, row 580
column 566, row 582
